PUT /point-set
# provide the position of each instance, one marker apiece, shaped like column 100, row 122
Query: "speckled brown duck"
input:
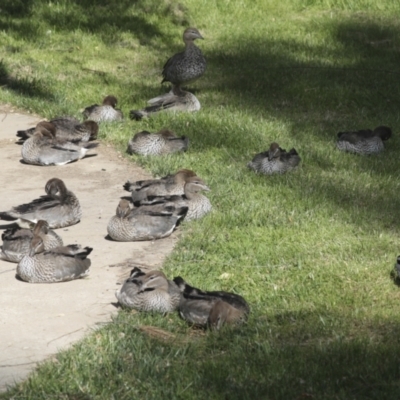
column 157, row 144
column 59, row 208
column 17, row 241
column 168, row 185
column 59, row 264
column 365, row 141
column 42, row 148
column 188, row 65
column 105, row 112
column 177, row 100
column 150, row 291
column 198, row 204
column 275, row 161
column 212, row 309
column 66, row 128
column 147, row 223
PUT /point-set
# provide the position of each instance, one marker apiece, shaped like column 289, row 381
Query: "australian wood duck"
column 157, row 144
column 105, row 112
column 17, row 241
column 59, row 208
column 45, row 149
column 177, row 100
column 148, row 223
column 275, row 161
column 198, row 204
column 212, row 309
column 59, row 264
column 364, row 141
column 150, row 291
column 188, row 65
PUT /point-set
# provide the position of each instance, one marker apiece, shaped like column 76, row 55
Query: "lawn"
column 312, row 251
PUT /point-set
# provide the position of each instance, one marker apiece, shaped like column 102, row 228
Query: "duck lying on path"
column 17, row 241
column 144, row 223
column 59, row 208
column 106, row 112
column 157, row 144
column 150, row 291
column 66, row 128
column 275, row 161
column 59, row 264
column 45, row 149
column 364, row 141
column 212, row 309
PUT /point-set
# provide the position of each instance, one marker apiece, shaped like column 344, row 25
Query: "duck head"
column 191, row 34
column 274, row 151
column 123, row 208
column 110, row 101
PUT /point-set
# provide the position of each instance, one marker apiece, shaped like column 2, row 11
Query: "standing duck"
column 275, row 161
column 17, row 241
column 157, row 144
column 212, row 309
column 45, row 149
column 66, row 128
column 177, row 100
column 365, row 141
column 188, row 65
column 198, row 204
column 150, row 291
column 59, row 264
column 59, row 208
column 166, row 186
column 104, row 113
column 147, row 223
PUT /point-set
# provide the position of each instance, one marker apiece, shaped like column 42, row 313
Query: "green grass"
column 311, row 251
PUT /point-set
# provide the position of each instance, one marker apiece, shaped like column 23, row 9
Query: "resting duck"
column 198, row 204
column 45, row 149
column 157, row 144
column 144, row 223
column 59, row 264
column 188, row 65
column 66, row 128
column 212, row 309
column 17, row 241
column 59, row 208
column 150, row 291
column 168, row 185
column 104, row 113
column 365, row 141
column 177, row 100
column 275, row 161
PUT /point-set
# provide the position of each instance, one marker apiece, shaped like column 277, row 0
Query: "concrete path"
column 37, row 320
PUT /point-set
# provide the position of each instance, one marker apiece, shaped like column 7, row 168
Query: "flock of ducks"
column 155, row 208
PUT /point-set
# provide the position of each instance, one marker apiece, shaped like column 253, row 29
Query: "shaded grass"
column 311, row 251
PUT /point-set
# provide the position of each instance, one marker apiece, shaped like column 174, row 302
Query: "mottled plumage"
column 59, row 264
column 147, row 223
column 364, row 141
column 212, row 309
column 59, row 208
column 44, row 149
column 198, row 204
column 150, row 291
column 168, row 185
column 275, row 161
column 17, row 241
column 188, row 65
column 157, row 144
column 66, row 128
column 176, row 100
column 105, row 112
